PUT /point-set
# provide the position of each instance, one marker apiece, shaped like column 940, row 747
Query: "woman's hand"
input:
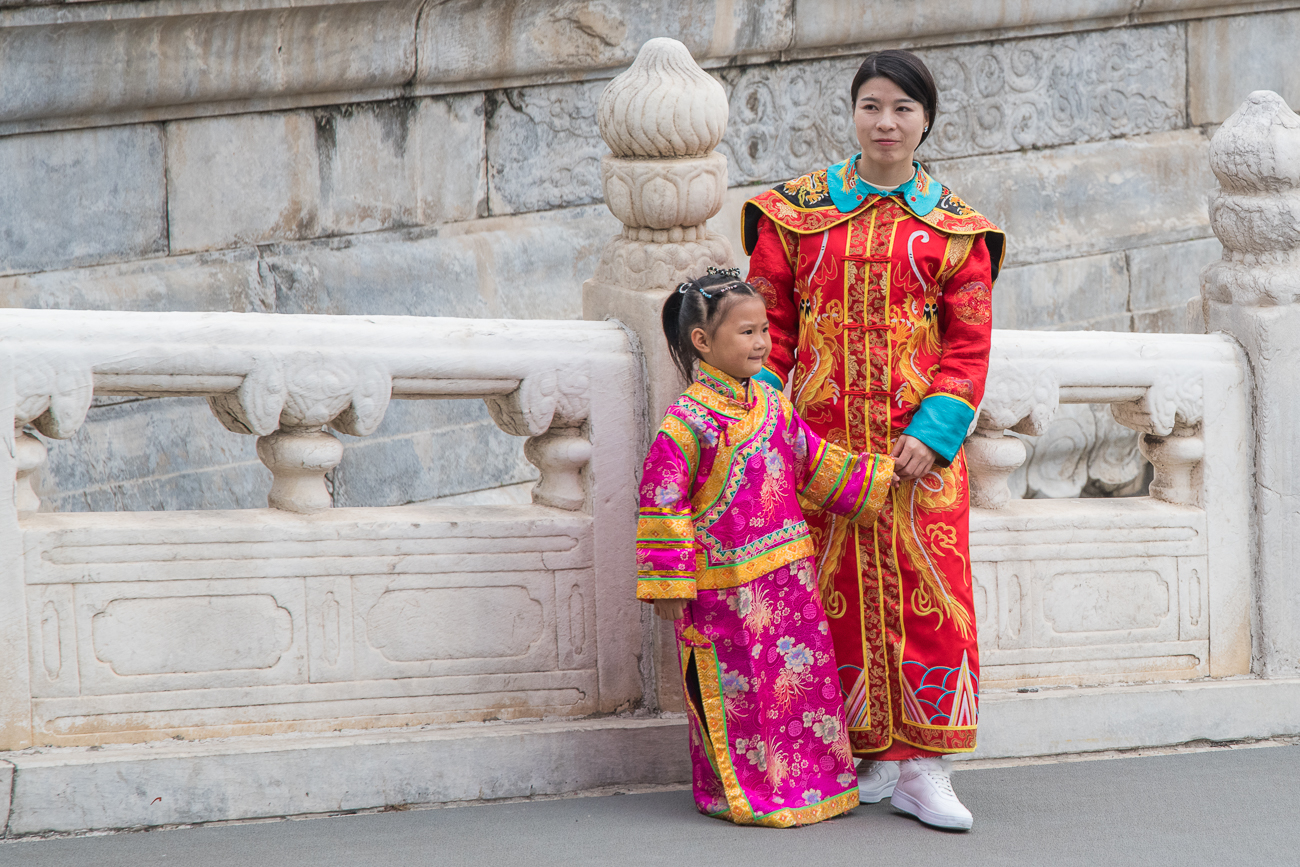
column 670, row 609
column 912, row 458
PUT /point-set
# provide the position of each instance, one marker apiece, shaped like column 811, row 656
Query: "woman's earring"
column 927, row 129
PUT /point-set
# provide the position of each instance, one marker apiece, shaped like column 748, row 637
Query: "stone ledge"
column 144, row 61
column 77, row 789
column 65, row 790
column 1057, row 721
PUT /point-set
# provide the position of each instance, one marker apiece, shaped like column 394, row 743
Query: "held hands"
column 670, row 609
column 912, row 458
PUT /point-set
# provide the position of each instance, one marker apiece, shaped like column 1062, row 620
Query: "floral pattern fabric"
column 768, row 740
column 721, row 525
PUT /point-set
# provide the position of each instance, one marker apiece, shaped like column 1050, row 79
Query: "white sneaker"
column 925, row 791
column 876, row 781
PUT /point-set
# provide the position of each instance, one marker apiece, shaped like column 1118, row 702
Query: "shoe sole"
column 905, row 803
column 877, row 795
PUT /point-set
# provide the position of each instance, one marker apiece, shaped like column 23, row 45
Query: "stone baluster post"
column 661, row 118
column 1253, row 294
column 298, row 457
column 992, row 456
column 30, row 454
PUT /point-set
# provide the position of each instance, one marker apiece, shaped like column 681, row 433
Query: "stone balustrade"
column 1092, row 591
column 137, row 626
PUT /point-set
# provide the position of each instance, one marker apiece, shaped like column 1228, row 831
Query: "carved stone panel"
column 257, row 621
column 1076, row 602
column 1057, row 90
column 544, row 148
column 1089, row 592
column 426, row 624
column 147, row 636
column 421, row 625
column 172, row 635
column 52, row 640
column 788, row 119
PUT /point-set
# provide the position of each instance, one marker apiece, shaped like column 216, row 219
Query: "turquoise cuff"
column 770, row 378
column 941, row 422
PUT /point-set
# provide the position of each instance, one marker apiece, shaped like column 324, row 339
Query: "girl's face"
column 889, row 124
column 740, row 344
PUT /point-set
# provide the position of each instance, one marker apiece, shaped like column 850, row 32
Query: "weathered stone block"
column 526, row 267
column 137, row 455
column 451, row 157
column 1167, row 320
column 1070, row 293
column 544, row 147
column 253, row 179
column 92, row 64
column 226, row 280
column 830, row 23
column 1093, row 198
column 791, row 118
column 1166, row 276
column 401, row 163
column 1228, row 58
column 528, row 38
column 246, row 179
column 406, row 460
column 82, row 198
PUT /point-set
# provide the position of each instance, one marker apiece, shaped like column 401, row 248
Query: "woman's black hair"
column 906, row 70
column 699, row 304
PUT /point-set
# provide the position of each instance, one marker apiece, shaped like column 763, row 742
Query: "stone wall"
column 441, row 158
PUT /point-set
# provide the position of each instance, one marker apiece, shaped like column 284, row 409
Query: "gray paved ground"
column 1225, row 807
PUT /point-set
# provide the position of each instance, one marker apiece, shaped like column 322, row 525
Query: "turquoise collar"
column 849, row 192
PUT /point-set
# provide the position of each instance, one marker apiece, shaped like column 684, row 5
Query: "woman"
column 878, row 282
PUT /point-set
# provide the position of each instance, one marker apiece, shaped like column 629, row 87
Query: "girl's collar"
column 723, row 384
column 849, row 192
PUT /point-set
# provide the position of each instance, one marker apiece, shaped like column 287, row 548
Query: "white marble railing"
column 133, row 626
column 1102, row 590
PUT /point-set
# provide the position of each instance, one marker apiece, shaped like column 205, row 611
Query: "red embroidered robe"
column 874, row 313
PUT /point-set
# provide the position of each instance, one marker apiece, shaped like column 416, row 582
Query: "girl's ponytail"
column 697, row 304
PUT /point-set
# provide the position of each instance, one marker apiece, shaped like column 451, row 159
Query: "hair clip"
column 733, row 273
column 694, row 284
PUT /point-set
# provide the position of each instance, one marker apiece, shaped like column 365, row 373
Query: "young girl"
column 723, row 550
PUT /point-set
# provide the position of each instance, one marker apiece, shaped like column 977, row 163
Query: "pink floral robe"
column 721, row 525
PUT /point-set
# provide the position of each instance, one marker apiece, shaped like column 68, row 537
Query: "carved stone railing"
column 133, row 626
column 1253, row 294
column 1116, row 590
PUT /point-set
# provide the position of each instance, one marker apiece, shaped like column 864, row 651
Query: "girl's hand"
column 670, row 609
column 912, row 458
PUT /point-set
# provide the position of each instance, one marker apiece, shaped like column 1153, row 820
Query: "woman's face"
column 889, row 123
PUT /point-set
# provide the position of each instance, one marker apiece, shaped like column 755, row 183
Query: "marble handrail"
column 285, row 378
column 1170, row 388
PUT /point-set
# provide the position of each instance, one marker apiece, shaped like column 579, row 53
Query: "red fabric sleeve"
column 966, row 320
column 771, row 272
